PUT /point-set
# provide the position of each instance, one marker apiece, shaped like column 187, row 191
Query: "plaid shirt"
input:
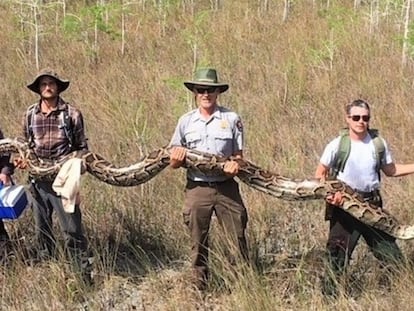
column 49, row 133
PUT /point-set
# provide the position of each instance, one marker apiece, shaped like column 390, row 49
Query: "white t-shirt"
column 360, row 168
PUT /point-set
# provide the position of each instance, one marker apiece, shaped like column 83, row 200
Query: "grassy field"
column 292, row 66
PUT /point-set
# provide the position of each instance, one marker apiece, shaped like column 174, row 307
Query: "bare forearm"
column 402, row 170
column 321, row 172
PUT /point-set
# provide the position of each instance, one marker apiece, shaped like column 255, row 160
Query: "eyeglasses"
column 202, row 90
column 356, row 118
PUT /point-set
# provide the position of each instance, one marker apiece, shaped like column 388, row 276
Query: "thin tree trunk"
column 286, row 10
column 36, row 14
column 405, row 37
column 122, row 33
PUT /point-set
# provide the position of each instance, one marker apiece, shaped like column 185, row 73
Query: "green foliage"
column 338, row 18
column 198, row 33
column 104, row 17
column 166, row 4
column 72, row 25
column 178, row 107
column 322, row 57
column 99, row 13
column 175, row 83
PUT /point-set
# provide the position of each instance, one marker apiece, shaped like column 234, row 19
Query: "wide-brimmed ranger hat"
column 61, row 83
column 206, row 77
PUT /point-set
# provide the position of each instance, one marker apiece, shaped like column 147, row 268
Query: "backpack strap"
column 66, row 124
column 379, row 149
column 344, row 150
column 342, row 155
column 30, row 113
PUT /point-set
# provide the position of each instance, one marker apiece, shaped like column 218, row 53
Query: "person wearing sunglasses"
column 213, row 129
column 361, row 171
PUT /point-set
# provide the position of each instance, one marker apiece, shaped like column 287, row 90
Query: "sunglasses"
column 202, row 90
column 356, row 118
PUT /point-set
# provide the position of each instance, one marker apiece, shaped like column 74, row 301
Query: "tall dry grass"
column 289, row 80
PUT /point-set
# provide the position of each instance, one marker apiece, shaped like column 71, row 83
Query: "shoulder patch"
column 239, row 125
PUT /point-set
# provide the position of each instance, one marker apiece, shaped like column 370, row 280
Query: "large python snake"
column 273, row 184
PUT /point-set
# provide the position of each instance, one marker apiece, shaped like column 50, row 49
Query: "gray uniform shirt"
column 221, row 134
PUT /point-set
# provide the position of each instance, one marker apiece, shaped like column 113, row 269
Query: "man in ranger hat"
column 54, row 129
column 216, row 130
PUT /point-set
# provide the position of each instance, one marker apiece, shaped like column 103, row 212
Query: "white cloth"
column 360, row 168
column 67, row 184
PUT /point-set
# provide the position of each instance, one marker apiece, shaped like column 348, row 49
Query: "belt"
column 212, row 184
column 370, row 194
column 42, row 178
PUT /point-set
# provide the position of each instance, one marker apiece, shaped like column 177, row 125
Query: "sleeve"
column 80, row 141
column 6, row 167
column 387, row 159
column 25, row 123
column 238, row 135
column 178, row 138
column 329, row 153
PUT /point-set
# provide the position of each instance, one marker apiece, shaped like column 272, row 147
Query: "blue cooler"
column 13, row 200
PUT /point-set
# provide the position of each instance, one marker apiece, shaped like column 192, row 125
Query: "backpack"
column 342, row 155
column 345, row 149
column 66, row 124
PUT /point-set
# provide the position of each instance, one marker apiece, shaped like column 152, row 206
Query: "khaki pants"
column 201, row 200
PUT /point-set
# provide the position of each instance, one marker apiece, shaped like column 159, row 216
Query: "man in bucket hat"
column 61, row 84
column 54, row 129
column 216, row 130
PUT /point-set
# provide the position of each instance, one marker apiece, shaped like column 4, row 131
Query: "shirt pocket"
column 224, row 142
column 38, row 132
column 192, row 140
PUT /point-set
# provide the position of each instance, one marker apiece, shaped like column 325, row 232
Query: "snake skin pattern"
column 270, row 183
